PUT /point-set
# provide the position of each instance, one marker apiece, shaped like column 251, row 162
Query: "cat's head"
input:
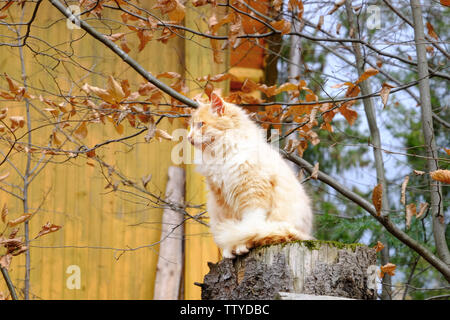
column 212, row 120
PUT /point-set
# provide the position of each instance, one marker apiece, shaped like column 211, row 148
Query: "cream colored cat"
column 254, row 197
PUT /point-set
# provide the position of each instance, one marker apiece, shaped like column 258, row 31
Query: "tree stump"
column 313, row 267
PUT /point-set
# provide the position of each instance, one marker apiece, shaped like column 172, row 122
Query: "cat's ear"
column 217, row 104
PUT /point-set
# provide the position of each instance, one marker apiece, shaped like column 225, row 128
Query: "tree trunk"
column 170, row 260
column 322, row 268
column 437, row 209
column 369, row 110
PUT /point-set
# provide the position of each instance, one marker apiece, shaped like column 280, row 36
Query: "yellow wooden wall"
column 94, row 220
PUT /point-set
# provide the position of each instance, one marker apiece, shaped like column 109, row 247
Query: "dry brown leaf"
column 377, row 196
column 315, row 173
column 161, row 134
column 17, row 122
column 5, row 261
column 22, row 218
column 337, row 5
column 90, row 153
column 403, row 196
column 447, row 151
column 378, row 247
column 146, row 179
column 169, row 75
column 349, row 114
column 388, row 268
column 47, row 228
column 151, row 132
column 441, row 175
column 124, row 45
column 55, row 139
column 20, row 250
column 422, row 209
column 81, row 131
column 410, row 212
column 445, row 3
column 114, row 37
column 431, row 31
column 115, row 90
column 367, row 74
column 320, row 23
column 419, row 173
column 282, row 25
column 4, row 212
column 384, row 93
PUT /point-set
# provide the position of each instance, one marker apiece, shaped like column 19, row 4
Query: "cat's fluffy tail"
column 230, row 234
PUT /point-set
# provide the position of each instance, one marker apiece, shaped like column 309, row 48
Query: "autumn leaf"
column 441, row 175
column 115, row 90
column 146, row 179
column 445, row 3
column 124, row 45
column 388, row 268
column 17, row 122
column 403, row 195
column 338, row 28
column 55, row 139
column 169, row 75
column 47, row 228
column 336, row 6
column 282, row 25
column 410, row 212
column 384, row 93
column 320, row 23
column 378, row 247
column 422, row 209
column 90, row 154
column 367, row 74
column 161, row 134
column 4, row 212
column 114, row 37
column 315, row 173
column 5, row 261
column 145, row 89
column 174, row 8
column 349, row 114
column 22, row 218
column 81, row 131
column 431, row 31
column 377, row 195
column 150, row 132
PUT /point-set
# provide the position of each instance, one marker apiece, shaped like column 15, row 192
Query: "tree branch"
column 125, row 57
column 424, row 252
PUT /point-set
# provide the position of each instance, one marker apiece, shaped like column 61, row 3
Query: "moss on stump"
column 311, row 267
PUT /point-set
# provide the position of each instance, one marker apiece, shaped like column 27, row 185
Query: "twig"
column 9, row 283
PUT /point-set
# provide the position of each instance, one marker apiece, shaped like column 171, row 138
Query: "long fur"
column 254, row 196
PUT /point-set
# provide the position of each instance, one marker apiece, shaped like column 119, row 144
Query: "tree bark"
column 437, row 209
column 376, row 141
column 170, row 258
column 314, row 267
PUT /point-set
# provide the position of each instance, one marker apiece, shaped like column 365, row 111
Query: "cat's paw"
column 240, row 249
column 228, row 254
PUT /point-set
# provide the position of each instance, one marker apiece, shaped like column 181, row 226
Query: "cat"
column 254, row 196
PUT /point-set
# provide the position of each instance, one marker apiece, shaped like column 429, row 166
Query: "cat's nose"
column 191, row 138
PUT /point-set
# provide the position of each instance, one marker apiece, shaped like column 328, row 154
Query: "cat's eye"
column 200, row 124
